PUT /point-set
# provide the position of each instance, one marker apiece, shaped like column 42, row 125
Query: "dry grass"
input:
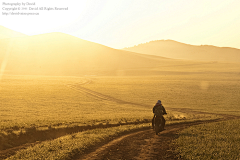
column 69, row 146
column 206, row 92
column 49, row 101
column 210, row 141
column 36, row 103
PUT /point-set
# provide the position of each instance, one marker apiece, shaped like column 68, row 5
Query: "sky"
column 125, row 23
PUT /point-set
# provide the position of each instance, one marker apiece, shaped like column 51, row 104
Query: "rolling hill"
column 59, row 54
column 177, row 50
column 62, row 54
column 8, row 33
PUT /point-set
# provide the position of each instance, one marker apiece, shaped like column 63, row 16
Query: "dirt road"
column 139, row 145
column 144, row 144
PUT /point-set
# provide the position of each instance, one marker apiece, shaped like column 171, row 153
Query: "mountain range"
column 177, row 50
column 60, row 54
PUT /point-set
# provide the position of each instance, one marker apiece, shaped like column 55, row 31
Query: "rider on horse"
column 157, row 109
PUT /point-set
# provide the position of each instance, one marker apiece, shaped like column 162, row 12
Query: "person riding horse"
column 159, row 108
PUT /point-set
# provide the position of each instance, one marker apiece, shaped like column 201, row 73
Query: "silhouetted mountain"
column 62, row 54
column 8, row 33
column 59, row 54
column 177, row 50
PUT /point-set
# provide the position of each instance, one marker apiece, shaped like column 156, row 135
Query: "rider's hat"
column 159, row 102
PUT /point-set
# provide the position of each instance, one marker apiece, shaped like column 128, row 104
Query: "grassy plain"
column 211, row 92
column 44, row 103
column 219, row 140
column 66, row 147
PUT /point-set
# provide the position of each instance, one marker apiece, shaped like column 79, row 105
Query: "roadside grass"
column 76, row 144
column 10, row 138
column 219, row 140
column 47, row 101
column 67, row 147
column 31, row 104
column 42, row 102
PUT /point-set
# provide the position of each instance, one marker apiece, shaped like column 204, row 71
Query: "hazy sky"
column 124, row 23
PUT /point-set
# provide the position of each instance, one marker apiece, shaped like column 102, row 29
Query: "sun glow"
column 125, row 23
column 5, row 59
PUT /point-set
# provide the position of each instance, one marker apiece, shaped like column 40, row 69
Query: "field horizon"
column 61, row 95
column 58, row 54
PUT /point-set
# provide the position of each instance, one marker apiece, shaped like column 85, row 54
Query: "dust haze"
column 65, row 88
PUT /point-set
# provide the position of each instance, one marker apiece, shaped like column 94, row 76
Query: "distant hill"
column 62, row 54
column 8, row 33
column 59, row 54
column 177, row 50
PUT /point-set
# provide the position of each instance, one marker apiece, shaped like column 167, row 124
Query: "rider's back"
column 159, row 110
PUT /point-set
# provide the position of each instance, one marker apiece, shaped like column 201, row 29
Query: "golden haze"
column 177, row 50
column 60, row 54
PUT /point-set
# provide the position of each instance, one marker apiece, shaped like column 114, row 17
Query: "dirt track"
column 144, row 144
column 139, row 145
column 100, row 96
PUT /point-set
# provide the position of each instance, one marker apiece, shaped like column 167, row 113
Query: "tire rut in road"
column 145, row 144
column 100, row 96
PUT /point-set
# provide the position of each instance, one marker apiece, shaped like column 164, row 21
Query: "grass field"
column 207, row 92
column 219, row 140
column 37, row 103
